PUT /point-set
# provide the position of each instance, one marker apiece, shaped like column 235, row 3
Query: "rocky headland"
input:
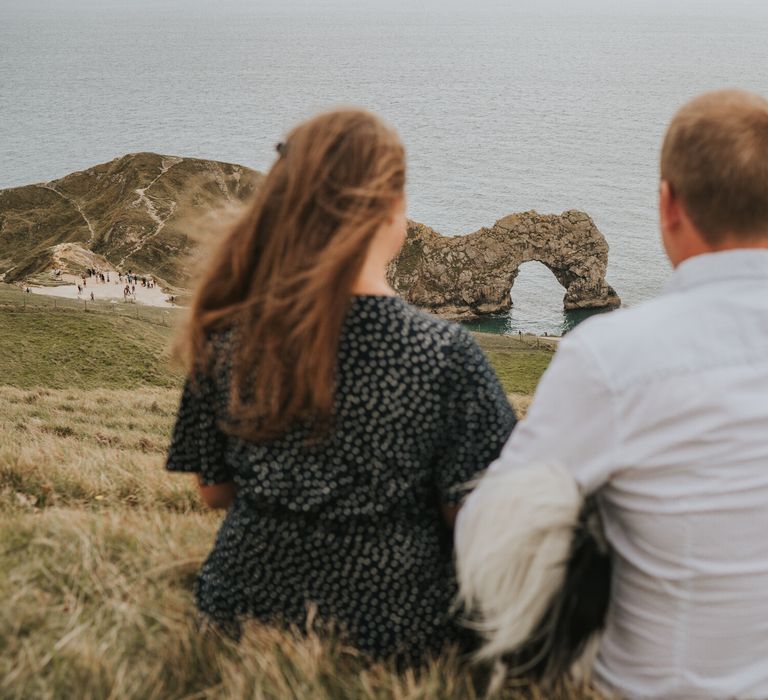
column 133, row 212
column 136, row 212
column 473, row 275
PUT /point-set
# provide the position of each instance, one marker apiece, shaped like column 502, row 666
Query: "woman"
column 333, row 420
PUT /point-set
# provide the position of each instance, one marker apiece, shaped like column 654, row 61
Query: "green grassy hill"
column 99, row 546
column 82, row 350
column 57, row 344
column 136, row 211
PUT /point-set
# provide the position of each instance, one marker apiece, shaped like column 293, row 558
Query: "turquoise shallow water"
column 499, row 113
column 513, row 323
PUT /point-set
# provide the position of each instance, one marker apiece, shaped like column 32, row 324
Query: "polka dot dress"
column 353, row 524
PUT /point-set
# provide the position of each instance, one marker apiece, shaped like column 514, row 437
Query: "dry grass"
column 98, row 605
column 92, row 449
column 99, row 546
column 520, row 402
column 98, row 553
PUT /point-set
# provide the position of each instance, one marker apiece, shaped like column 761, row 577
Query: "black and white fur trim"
column 534, row 571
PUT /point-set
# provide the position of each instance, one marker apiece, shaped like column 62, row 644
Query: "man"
column 662, row 410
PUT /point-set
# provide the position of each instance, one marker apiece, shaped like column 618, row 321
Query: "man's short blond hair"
column 715, row 158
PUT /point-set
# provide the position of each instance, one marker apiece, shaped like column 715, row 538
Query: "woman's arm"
column 478, row 421
column 217, row 495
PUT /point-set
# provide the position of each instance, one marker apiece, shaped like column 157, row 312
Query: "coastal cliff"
column 136, row 211
column 473, row 275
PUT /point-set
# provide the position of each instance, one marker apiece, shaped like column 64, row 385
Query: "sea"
column 501, row 110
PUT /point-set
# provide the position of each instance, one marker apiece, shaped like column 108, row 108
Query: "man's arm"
column 572, row 420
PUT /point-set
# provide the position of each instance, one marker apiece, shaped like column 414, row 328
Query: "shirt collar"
column 733, row 265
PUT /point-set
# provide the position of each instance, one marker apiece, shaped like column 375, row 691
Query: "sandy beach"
column 104, row 291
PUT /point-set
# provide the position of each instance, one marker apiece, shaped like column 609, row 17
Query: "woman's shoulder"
column 415, row 325
column 442, row 330
column 221, row 340
column 214, row 360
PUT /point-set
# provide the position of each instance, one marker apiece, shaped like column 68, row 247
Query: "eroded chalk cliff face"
column 472, row 275
column 140, row 211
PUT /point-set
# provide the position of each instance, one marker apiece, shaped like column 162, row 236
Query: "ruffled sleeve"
column 198, row 444
column 479, row 419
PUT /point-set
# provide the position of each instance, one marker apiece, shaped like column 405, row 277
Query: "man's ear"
column 669, row 209
column 670, row 222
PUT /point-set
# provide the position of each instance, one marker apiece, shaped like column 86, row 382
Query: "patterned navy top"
column 352, row 524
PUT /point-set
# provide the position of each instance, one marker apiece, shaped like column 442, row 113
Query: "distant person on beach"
column 336, row 422
column 661, row 411
column 93, row 298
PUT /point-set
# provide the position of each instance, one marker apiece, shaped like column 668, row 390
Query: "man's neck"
column 731, row 243
column 757, row 242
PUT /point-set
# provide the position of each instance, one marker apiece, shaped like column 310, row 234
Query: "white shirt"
column 663, row 409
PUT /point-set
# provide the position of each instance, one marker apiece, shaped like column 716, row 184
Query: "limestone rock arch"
column 473, row 275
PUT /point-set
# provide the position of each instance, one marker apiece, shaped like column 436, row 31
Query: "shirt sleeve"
column 571, row 421
column 198, row 444
column 479, row 419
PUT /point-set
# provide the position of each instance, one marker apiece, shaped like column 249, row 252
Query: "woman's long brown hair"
column 283, row 275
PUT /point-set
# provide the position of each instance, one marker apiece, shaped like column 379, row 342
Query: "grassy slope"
column 65, row 346
column 35, row 218
column 98, row 546
column 519, row 364
column 54, row 343
column 83, row 351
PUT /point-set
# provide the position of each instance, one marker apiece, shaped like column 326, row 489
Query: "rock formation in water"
column 136, row 212
column 473, row 275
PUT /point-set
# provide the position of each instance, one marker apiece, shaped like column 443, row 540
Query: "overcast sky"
column 755, row 8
